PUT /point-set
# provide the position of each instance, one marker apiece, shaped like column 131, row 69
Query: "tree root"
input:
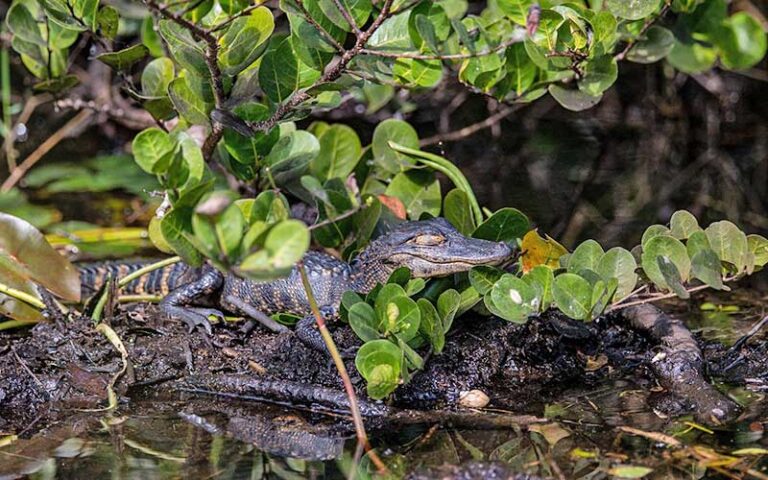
column 679, row 366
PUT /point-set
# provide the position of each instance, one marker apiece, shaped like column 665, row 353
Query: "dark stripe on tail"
column 157, row 282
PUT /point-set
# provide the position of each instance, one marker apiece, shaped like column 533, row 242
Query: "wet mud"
column 55, row 370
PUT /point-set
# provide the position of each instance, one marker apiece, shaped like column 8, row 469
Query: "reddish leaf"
column 395, row 205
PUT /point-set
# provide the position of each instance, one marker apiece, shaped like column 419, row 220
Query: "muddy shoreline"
column 56, row 369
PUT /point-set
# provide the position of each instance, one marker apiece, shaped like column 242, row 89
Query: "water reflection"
column 579, row 436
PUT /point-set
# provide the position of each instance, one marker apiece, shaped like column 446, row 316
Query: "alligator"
column 429, row 248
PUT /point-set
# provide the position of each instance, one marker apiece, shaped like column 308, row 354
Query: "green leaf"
column 340, row 151
column 123, row 59
column 690, row 56
column 619, row 263
column 150, row 37
column 521, row 71
column 387, row 160
column 279, row 73
column 697, row 242
column 360, row 10
column 741, row 41
column 417, row 72
column 758, row 245
column 154, row 150
column 175, row 226
column 419, row 191
column 654, row 231
column 656, row 44
column 400, row 316
column 447, row 306
column 573, row 295
column 705, row 266
column 457, row 210
column 187, row 52
column 670, row 248
column 483, row 277
column 729, row 243
column 251, row 149
column 156, row 77
column 287, row 242
column 574, row 100
column 393, row 34
column 108, row 20
column 599, row 75
column 243, row 40
column 632, row 9
column 672, row 276
column 26, row 255
column 193, row 98
column 431, row 326
column 515, row 10
column 505, row 225
column 512, row 299
column 587, row 256
column 542, row 278
column 289, row 158
column 362, row 319
column 380, row 363
column 683, row 224
column 22, row 23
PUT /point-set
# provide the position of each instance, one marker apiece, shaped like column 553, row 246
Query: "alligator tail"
column 157, row 282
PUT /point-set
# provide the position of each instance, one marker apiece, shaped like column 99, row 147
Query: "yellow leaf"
column 540, row 251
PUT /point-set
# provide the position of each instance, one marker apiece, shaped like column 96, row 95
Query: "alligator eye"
column 428, row 240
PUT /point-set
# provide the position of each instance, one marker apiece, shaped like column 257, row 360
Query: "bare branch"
column 348, row 17
column 471, row 129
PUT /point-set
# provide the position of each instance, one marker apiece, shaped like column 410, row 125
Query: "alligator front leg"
column 180, row 303
column 311, row 336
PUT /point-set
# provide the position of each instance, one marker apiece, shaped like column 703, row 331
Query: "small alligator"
column 429, row 248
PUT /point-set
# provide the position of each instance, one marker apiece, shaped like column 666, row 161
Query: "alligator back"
column 157, row 282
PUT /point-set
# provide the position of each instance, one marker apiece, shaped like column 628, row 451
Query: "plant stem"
column 449, row 169
column 5, row 85
column 145, row 270
column 7, row 325
column 24, row 297
column 357, row 419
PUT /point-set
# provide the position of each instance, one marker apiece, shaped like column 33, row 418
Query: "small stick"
column 257, row 315
column 357, row 419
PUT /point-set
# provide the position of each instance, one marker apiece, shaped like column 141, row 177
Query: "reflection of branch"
column 648, row 23
column 471, row 129
column 448, row 56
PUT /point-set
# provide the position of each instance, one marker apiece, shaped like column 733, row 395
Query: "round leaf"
column 669, row 248
column 573, row 295
column 512, row 299
column 153, row 150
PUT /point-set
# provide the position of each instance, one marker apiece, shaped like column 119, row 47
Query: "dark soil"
column 55, row 370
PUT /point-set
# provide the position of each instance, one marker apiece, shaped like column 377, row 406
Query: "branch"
column 323, row 32
column 648, row 23
column 517, row 38
column 354, row 408
column 655, row 297
column 471, row 129
column 241, row 13
column 332, row 73
column 348, row 17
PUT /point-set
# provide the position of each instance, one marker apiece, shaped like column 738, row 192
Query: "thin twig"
column 348, row 17
column 323, row 32
column 62, row 133
column 357, row 419
column 471, row 129
column 648, row 23
column 241, row 13
column 655, row 298
column 344, row 215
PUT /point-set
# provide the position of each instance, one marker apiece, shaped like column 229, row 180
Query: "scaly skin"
column 429, row 248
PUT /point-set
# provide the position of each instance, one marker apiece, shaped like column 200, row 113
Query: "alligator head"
column 429, row 248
